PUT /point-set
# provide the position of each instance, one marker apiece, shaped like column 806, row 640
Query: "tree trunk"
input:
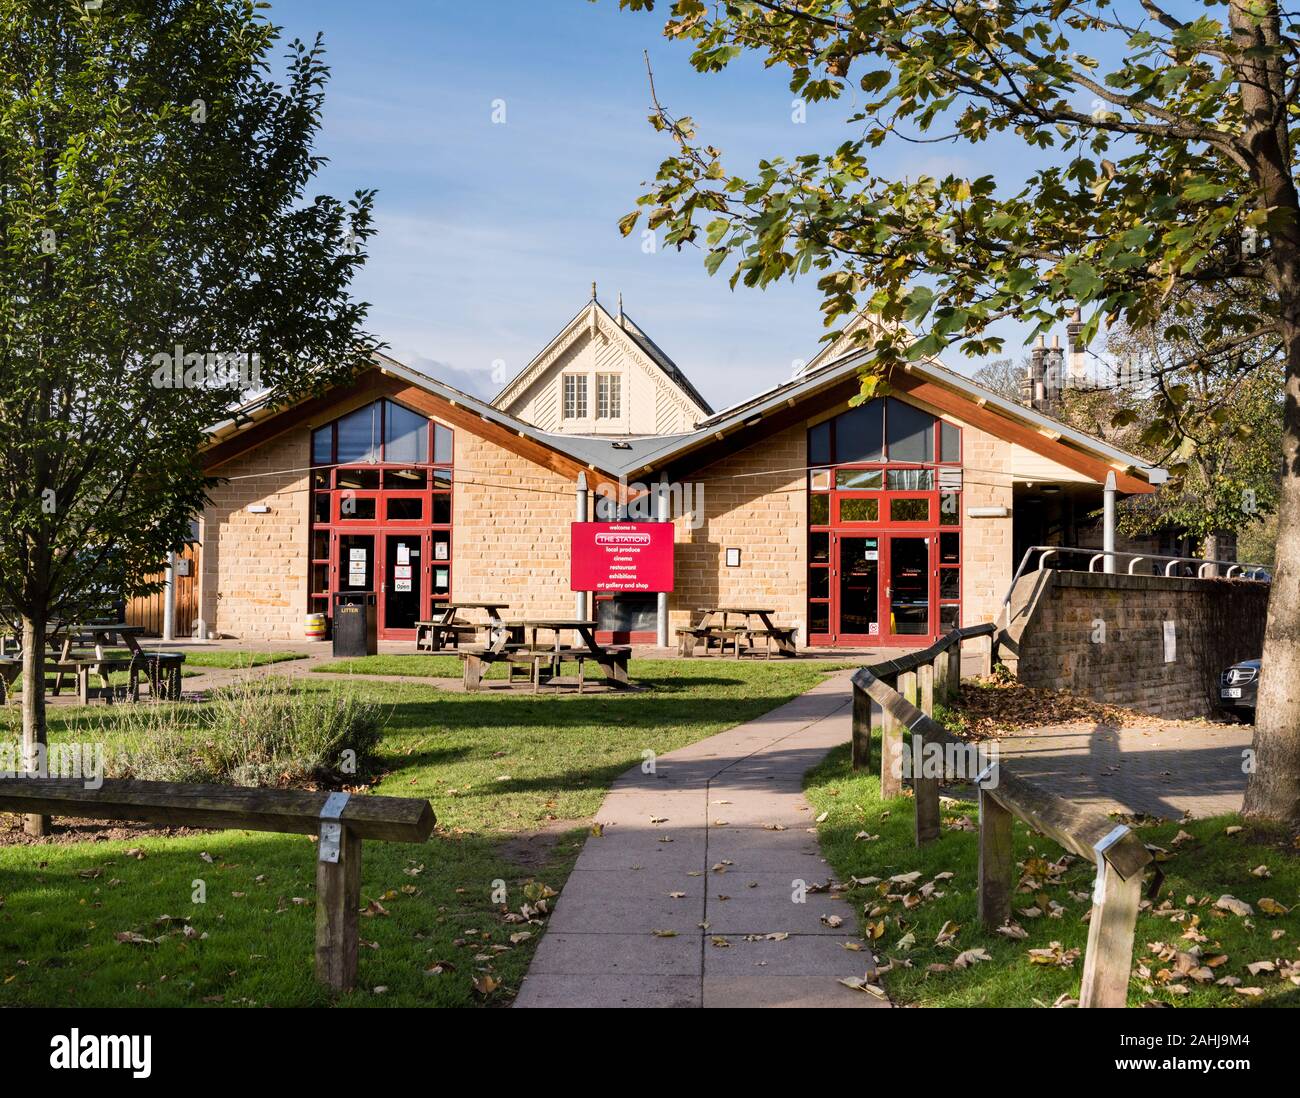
column 1273, row 788
column 35, row 740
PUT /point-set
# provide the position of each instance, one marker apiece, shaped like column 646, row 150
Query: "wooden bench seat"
column 535, row 658
column 162, row 670
column 777, row 637
column 10, row 669
column 431, row 637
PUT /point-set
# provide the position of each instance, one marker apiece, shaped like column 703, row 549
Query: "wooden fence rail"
column 342, row 821
column 905, row 690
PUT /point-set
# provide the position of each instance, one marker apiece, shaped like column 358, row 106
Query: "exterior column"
column 580, row 515
column 169, row 600
column 661, row 514
column 1108, row 523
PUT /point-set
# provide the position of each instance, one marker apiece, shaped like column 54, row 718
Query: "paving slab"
column 735, row 797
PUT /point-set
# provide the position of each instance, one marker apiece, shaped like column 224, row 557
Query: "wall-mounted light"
column 259, row 509
column 987, row 512
column 733, row 558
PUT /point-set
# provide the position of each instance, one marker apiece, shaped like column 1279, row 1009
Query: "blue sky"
column 490, row 235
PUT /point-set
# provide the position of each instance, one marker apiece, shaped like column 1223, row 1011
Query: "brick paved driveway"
column 1160, row 768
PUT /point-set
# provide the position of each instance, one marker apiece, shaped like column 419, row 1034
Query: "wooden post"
column 861, row 743
column 907, row 686
column 891, row 743
column 925, row 682
column 986, row 656
column 1109, row 959
column 997, row 867
column 338, row 896
column 925, row 789
column 939, row 672
column 954, row 674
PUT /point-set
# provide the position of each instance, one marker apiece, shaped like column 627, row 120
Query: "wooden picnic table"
column 434, row 634
column 709, row 631
column 162, row 669
column 612, row 659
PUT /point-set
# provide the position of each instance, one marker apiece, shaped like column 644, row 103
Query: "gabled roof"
column 927, row 381
column 581, row 451
column 588, row 318
column 826, row 374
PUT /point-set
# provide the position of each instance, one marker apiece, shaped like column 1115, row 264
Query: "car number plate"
column 1230, row 692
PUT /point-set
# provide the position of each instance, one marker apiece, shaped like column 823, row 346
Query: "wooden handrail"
column 1119, row 855
column 341, row 820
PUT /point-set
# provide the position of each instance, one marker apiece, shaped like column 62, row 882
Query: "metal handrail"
column 1201, row 563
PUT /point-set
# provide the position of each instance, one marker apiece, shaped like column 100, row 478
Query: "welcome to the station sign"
column 622, row 556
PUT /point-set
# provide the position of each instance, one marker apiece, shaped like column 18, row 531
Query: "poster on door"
column 356, row 568
column 402, row 573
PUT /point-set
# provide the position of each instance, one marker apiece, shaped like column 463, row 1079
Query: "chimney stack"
column 1078, row 356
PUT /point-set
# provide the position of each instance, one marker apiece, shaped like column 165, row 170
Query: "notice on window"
column 402, row 585
column 355, row 555
column 357, row 574
column 440, row 550
column 440, row 576
column 403, row 554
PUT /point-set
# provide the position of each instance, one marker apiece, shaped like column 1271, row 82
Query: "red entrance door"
column 882, row 590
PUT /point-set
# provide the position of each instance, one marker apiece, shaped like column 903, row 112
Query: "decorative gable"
column 603, row 376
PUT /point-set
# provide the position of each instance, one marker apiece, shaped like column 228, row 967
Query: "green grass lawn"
column 233, row 657
column 1199, row 870
column 416, row 666
column 497, row 767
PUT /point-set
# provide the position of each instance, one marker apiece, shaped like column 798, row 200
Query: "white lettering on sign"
column 622, row 540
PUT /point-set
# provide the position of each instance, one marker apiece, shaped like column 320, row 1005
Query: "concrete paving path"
column 734, row 802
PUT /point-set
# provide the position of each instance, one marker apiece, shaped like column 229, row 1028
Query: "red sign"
column 622, row 556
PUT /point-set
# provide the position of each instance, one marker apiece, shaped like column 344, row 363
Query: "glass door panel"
column 858, row 588
column 356, row 563
column 907, row 594
column 403, row 590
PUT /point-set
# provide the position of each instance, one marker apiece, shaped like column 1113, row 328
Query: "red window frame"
column 885, row 527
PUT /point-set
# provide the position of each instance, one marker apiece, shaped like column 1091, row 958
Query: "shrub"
column 259, row 731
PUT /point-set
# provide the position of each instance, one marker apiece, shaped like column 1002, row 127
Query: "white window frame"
column 574, row 396
column 609, row 396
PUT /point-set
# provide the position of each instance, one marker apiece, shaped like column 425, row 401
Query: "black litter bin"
column 356, row 626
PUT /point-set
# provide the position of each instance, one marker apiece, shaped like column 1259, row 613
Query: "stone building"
column 881, row 524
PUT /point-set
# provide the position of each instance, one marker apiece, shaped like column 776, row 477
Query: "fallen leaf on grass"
column 1055, row 955
column 971, row 957
column 1233, row 905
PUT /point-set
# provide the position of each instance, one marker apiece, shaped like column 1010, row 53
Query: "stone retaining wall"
column 1151, row 643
